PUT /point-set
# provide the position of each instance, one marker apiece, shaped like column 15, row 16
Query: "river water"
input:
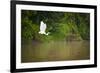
column 55, row 51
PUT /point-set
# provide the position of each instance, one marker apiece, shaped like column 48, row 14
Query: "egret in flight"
column 43, row 28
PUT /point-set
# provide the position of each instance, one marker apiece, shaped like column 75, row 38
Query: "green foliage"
column 61, row 25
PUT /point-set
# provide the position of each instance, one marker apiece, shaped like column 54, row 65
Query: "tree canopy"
column 61, row 25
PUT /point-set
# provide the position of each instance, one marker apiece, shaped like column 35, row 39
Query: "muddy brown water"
column 55, row 51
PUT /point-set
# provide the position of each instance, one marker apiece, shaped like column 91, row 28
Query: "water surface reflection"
column 55, row 51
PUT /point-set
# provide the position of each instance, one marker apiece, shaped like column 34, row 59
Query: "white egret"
column 43, row 28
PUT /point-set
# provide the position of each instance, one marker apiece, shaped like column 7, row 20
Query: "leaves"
column 59, row 24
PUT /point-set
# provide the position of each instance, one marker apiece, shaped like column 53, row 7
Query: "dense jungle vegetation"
column 61, row 25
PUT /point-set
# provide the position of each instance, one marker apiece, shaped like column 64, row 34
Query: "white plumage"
column 43, row 28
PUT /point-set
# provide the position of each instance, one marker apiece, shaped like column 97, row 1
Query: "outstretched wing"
column 42, row 26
